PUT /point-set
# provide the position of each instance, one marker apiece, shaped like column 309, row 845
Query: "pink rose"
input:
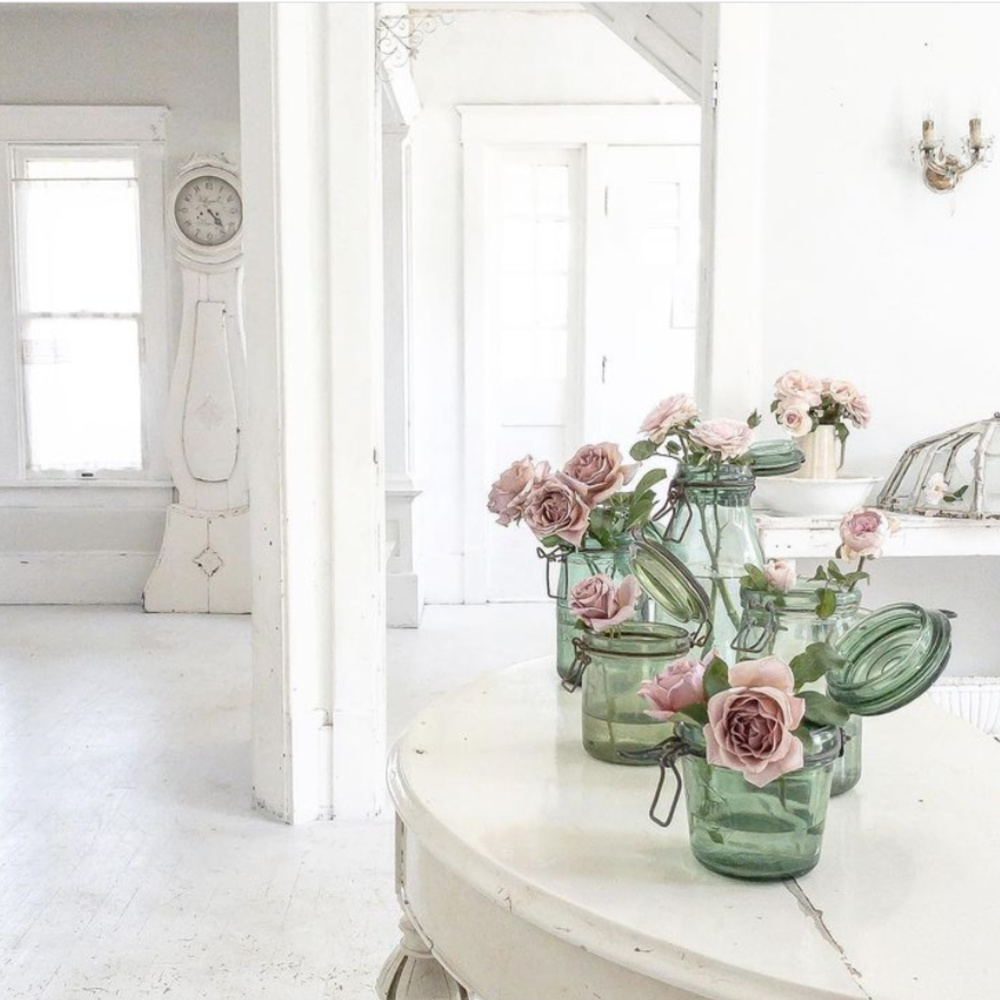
column 558, row 506
column 678, row 687
column 601, row 604
column 794, row 416
column 600, row 470
column 509, row 493
column 840, row 390
column 859, row 411
column 674, row 411
column 796, row 383
column 780, row 574
column 863, row 532
column 728, row 438
column 751, row 725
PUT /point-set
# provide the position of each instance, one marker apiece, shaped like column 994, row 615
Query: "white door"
column 643, row 293
column 533, row 232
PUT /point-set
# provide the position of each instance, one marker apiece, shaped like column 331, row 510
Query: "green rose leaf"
column 820, row 574
column 716, row 678
column 642, row 450
column 551, row 542
column 755, row 577
column 753, row 420
column 698, row 714
column 823, row 710
column 827, row 603
column 816, row 660
column 641, row 511
column 649, row 480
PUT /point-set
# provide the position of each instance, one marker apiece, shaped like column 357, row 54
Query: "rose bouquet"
column 710, row 529
column 803, row 402
column 756, row 715
column 583, row 501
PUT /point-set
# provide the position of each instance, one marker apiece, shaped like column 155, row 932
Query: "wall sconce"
column 943, row 171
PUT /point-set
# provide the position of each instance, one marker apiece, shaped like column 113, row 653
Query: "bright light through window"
column 79, row 309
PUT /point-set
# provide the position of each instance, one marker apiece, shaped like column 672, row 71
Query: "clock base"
column 204, row 563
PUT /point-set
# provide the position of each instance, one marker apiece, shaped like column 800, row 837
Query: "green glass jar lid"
column 670, row 584
column 893, row 656
column 775, row 458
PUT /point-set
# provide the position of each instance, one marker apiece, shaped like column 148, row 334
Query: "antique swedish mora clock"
column 204, row 562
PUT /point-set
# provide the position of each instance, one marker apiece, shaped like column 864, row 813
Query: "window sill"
column 86, row 484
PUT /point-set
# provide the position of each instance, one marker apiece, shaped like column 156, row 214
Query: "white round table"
column 529, row 871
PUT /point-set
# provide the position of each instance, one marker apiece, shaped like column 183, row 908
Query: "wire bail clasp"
column 574, row 677
column 672, row 750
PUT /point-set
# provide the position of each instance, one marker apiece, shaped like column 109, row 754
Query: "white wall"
column 869, row 275
column 183, row 56
column 482, row 58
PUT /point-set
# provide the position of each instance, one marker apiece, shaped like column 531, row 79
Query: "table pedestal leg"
column 413, row 973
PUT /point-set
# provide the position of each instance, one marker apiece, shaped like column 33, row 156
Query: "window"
column 79, row 307
column 84, row 332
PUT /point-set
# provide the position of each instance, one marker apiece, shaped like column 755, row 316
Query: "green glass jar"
column 574, row 567
column 713, row 533
column 611, row 666
column 784, row 626
column 760, row 834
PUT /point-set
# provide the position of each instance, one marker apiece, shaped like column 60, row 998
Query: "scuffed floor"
column 131, row 862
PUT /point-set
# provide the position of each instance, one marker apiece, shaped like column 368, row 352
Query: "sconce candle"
column 943, row 171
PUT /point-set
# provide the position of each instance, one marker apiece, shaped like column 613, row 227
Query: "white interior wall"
column 485, row 57
column 869, row 275
column 183, row 56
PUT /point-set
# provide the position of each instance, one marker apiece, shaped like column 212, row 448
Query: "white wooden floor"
column 131, row 863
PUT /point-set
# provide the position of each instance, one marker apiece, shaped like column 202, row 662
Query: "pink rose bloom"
column 674, row 411
column 796, row 383
column 780, row 574
column 509, row 493
column 558, row 506
column 600, row 469
column 859, row 411
column 841, row 391
column 751, row 725
column 679, row 686
column 863, row 532
column 728, row 438
column 794, row 416
column 601, row 604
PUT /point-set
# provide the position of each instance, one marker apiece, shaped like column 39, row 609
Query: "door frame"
column 485, row 128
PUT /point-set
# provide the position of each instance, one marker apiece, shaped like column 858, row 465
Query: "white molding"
column 80, row 123
column 577, row 125
column 101, row 577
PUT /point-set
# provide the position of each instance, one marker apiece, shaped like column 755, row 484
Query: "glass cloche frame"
column 954, row 474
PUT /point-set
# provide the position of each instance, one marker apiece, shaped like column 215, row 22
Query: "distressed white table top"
column 904, row 905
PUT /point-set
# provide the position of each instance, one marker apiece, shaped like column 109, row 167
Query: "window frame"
column 140, row 132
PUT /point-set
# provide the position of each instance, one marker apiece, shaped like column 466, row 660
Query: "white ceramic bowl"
column 813, row 497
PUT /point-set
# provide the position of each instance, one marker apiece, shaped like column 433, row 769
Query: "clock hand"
column 215, row 218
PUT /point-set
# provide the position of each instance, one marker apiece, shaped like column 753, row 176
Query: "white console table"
column 528, row 871
column 818, row 537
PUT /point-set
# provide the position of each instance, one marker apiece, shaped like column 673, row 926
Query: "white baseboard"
column 74, row 577
column 404, row 602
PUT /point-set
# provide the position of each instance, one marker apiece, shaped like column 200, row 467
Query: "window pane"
column 78, row 240
column 82, row 394
column 84, row 168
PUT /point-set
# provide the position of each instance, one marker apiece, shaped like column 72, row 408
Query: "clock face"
column 208, row 210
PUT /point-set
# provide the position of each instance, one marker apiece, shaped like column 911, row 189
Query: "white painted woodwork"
column 210, row 433
column 404, row 597
column 819, row 537
column 532, row 870
column 204, row 559
column 314, row 276
column 667, row 35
